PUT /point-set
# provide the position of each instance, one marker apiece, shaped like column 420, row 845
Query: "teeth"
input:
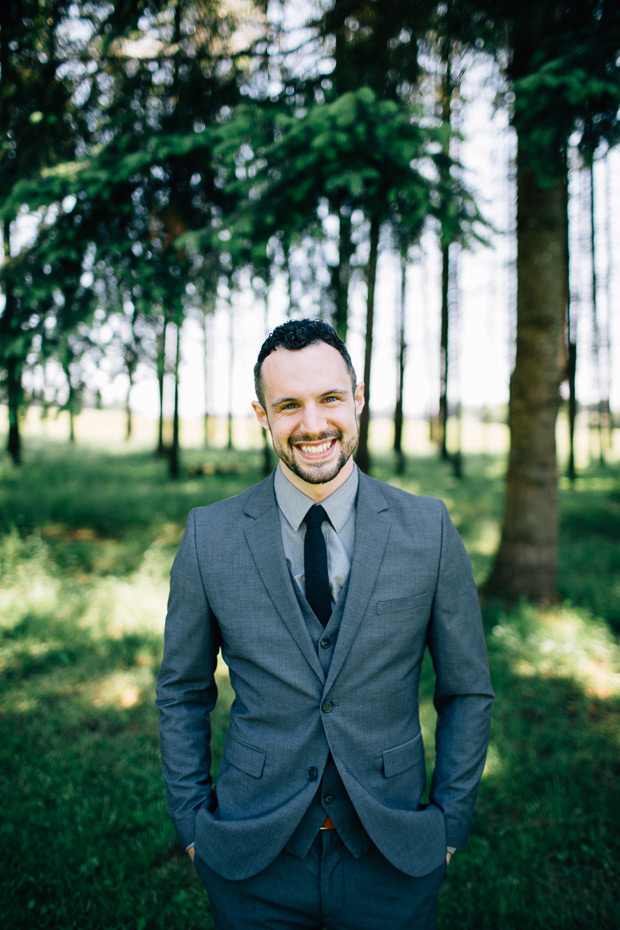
column 316, row 450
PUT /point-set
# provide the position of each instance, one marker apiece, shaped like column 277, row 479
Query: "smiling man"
column 322, row 588
column 310, row 408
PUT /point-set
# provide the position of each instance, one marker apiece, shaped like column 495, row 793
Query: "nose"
column 313, row 420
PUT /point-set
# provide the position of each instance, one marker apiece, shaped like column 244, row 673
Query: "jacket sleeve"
column 463, row 694
column 186, row 690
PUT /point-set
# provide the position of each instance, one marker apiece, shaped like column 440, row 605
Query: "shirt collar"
column 294, row 504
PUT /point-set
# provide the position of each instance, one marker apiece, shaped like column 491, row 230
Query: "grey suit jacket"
column 410, row 587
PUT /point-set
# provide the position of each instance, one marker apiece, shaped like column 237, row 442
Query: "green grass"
column 86, row 541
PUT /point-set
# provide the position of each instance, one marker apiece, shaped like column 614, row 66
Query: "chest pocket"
column 416, row 602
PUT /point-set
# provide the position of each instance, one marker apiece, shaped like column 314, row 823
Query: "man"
column 316, row 819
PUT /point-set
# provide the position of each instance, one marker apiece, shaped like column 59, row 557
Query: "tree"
column 375, row 47
column 39, row 125
column 561, row 61
column 401, row 351
column 162, row 119
column 449, row 89
column 165, row 76
column 570, row 338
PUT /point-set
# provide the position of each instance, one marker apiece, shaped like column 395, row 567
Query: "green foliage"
column 358, row 151
column 165, row 178
column 556, row 99
column 378, row 154
column 38, row 120
column 86, row 543
column 561, row 59
column 131, row 172
column 39, row 126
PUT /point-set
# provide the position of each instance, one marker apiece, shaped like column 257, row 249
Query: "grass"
column 86, row 541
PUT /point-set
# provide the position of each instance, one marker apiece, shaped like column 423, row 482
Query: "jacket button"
column 325, row 643
column 312, row 773
column 327, row 706
column 329, row 799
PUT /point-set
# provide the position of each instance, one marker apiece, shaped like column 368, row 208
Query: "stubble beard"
column 320, row 473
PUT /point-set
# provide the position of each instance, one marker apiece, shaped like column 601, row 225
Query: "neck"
column 318, row 492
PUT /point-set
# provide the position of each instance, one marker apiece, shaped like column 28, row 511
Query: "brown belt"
column 327, row 824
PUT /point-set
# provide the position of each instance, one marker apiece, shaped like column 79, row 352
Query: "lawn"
column 86, row 541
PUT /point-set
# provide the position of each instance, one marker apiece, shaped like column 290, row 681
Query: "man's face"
column 311, row 412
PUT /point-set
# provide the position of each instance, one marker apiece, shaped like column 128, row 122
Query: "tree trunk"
column 341, row 274
column 71, row 424
column 609, row 302
column 571, row 337
column 267, row 463
column 205, row 371
column 231, row 368
column 14, row 401
column 571, row 365
column 456, row 457
column 525, row 564
column 161, row 376
column 292, row 304
column 12, row 363
column 401, row 350
column 444, row 351
column 128, row 412
column 175, row 447
column 363, row 454
column 449, row 87
column 599, row 407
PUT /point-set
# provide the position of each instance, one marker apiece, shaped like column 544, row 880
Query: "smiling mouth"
column 318, row 449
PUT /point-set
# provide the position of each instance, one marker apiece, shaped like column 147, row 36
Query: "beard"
column 321, row 472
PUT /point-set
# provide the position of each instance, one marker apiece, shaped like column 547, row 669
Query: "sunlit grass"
column 561, row 642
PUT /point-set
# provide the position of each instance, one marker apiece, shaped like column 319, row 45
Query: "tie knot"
column 315, row 516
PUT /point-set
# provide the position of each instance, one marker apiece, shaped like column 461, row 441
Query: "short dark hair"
column 298, row 334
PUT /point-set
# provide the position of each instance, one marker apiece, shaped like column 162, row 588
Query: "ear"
column 261, row 416
column 359, row 399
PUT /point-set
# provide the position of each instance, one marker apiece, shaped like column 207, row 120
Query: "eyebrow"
column 289, row 400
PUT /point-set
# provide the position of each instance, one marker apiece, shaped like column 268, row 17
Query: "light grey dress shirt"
column 338, row 530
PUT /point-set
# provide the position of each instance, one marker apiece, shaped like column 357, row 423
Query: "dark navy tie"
column 315, row 564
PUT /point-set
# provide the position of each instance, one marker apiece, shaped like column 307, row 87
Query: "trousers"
column 329, row 889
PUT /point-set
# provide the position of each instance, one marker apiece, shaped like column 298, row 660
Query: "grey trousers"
column 328, row 889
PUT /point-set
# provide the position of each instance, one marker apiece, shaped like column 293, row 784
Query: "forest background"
column 176, row 178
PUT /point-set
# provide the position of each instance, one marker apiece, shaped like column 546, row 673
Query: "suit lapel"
column 372, row 528
column 264, row 537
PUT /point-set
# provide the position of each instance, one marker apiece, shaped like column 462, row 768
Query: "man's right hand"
column 192, row 852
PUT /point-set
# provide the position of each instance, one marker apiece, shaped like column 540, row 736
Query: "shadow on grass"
column 589, row 556
column 42, row 644
column 85, row 840
column 84, row 502
column 544, row 847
